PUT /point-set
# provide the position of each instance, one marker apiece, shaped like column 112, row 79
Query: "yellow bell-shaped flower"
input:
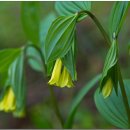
column 8, row 102
column 59, row 77
column 107, row 89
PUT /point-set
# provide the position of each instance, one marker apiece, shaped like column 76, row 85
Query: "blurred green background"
column 91, row 54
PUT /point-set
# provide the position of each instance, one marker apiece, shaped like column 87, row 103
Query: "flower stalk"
column 55, row 105
column 100, row 27
column 122, row 87
column 52, row 94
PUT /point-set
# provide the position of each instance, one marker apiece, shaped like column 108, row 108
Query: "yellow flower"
column 60, row 77
column 8, row 102
column 107, row 89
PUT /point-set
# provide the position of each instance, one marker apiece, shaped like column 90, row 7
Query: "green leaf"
column 34, row 59
column 78, row 99
column 66, row 8
column 6, row 58
column 69, row 61
column 117, row 16
column 112, row 108
column 110, row 67
column 50, row 67
column 59, row 38
column 31, row 20
column 44, row 27
column 3, row 79
column 17, row 81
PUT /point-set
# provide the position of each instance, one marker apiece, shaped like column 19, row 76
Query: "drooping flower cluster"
column 60, row 75
column 8, row 103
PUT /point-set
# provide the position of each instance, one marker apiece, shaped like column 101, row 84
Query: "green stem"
column 52, row 94
column 96, row 21
column 125, row 99
column 55, row 105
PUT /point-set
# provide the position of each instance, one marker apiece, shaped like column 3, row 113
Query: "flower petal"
column 63, row 79
column 70, row 83
column 107, row 89
column 56, row 72
column 8, row 103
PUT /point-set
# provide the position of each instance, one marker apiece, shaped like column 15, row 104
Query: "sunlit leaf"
column 59, row 38
column 7, row 56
